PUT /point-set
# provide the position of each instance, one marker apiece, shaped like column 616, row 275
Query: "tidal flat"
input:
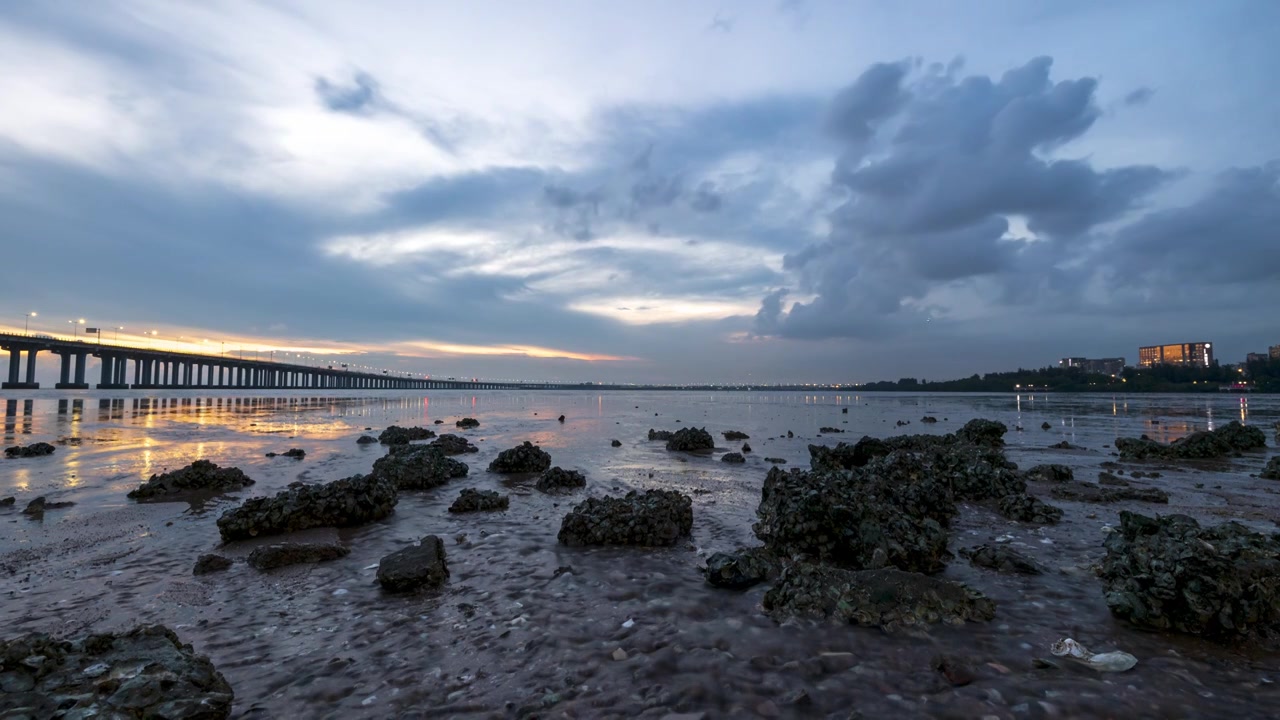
column 528, row 627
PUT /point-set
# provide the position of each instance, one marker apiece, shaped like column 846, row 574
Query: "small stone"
column 619, row 655
column 615, row 443
column 210, row 563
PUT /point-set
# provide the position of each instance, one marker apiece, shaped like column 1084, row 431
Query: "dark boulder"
column 279, row 555
column 1064, row 445
column 38, row 505
column 886, row 598
column 199, row 476
column 741, row 570
column 733, row 457
column 1272, row 470
column 32, row 450
column 735, row 435
column 846, row 457
column 652, row 518
column 206, row 564
column 144, row 673
column 659, row 434
column 465, row 423
column 929, row 419
column 1029, row 509
column 1053, row 472
column 830, row 430
column 417, row 566
column 366, row 440
column 615, row 443
column 1169, row 573
column 1091, row 493
column 1242, row 437
column 691, row 439
column 776, row 460
column 418, row 467
column 473, row 500
column 523, row 458
column 8, row 501
column 296, row 453
column 975, row 472
column 557, row 479
column 351, row 501
column 890, row 513
column 561, row 418
column 983, row 432
column 450, row 444
column 746, row 447
column 1045, row 426
column 1201, row 445
column 1000, row 558
column 1106, row 478
column 396, row 435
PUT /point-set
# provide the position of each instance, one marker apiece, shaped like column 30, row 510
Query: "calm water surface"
column 511, row 635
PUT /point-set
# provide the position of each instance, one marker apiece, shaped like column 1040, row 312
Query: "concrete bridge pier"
column 65, row 375
column 15, row 361
column 113, row 372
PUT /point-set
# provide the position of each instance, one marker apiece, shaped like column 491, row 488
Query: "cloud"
column 354, row 98
column 1141, row 96
column 934, row 168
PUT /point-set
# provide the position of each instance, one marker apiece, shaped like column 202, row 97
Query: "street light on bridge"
column 118, row 329
column 27, row 321
column 75, row 328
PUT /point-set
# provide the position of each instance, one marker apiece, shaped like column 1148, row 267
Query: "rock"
column 32, row 450
column 929, row 419
column 732, row 435
column 418, row 467
column 741, row 570
column 396, row 435
column 659, row 434
column 1045, row 426
column 983, row 432
column 421, row 565
column 1106, row 478
column 691, row 439
column 733, row 457
column 557, row 479
column 352, row 501
column 1053, row 472
column 956, row 670
column 465, row 423
column 279, row 555
column 1091, row 493
column 38, row 505
column 438, row 422
column 366, row 440
column 297, row 453
column 1204, row 444
column 1064, row 445
column 1169, row 573
column 206, row 564
column 523, row 458
column 619, row 655
column 615, row 443
column 143, row 673
column 561, row 418
column 8, row 502
column 450, row 444
column 1029, row 509
column 776, row 460
column 473, row 500
column 652, row 518
column 890, row 512
column 830, row 430
column 886, row 598
column 845, row 456
column 746, row 447
column 1242, row 437
column 1000, row 558
column 199, row 476
column 1272, row 470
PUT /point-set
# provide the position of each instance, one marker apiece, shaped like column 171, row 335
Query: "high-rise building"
column 1104, row 366
column 1255, row 357
column 1275, row 352
column 1198, row 353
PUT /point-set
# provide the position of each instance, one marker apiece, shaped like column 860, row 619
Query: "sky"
column 771, row 191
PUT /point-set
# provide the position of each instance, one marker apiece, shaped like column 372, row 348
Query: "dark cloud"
column 705, row 199
column 933, row 168
column 356, row 97
column 1141, row 96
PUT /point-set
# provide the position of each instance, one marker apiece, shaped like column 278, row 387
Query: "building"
column 1102, row 366
column 1199, row 354
column 1255, row 357
column 1275, row 352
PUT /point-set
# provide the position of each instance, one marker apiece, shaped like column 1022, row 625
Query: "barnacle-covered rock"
column 523, row 458
column 199, row 476
column 983, row 432
column 652, row 518
column 473, row 500
column 691, row 439
column 1029, row 509
column 1169, row 573
column 742, row 569
column 351, row 501
column 886, row 598
column 396, row 435
column 557, row 479
column 418, row 467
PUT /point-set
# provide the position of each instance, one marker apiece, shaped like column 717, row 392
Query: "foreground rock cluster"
column 473, row 500
column 199, row 476
column 652, row 518
column 396, row 435
column 1169, row 573
column 32, row 450
column 885, row 598
column 144, row 673
column 418, row 467
column 523, row 458
column 351, row 501
column 417, row 566
column 1227, row 440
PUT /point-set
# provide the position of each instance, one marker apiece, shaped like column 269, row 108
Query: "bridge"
column 168, row 369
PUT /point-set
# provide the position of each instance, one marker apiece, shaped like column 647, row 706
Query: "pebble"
column 96, row 670
column 619, row 654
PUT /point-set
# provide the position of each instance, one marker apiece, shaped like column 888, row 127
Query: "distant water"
column 324, row 641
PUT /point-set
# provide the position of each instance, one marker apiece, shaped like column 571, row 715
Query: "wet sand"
column 512, row 634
